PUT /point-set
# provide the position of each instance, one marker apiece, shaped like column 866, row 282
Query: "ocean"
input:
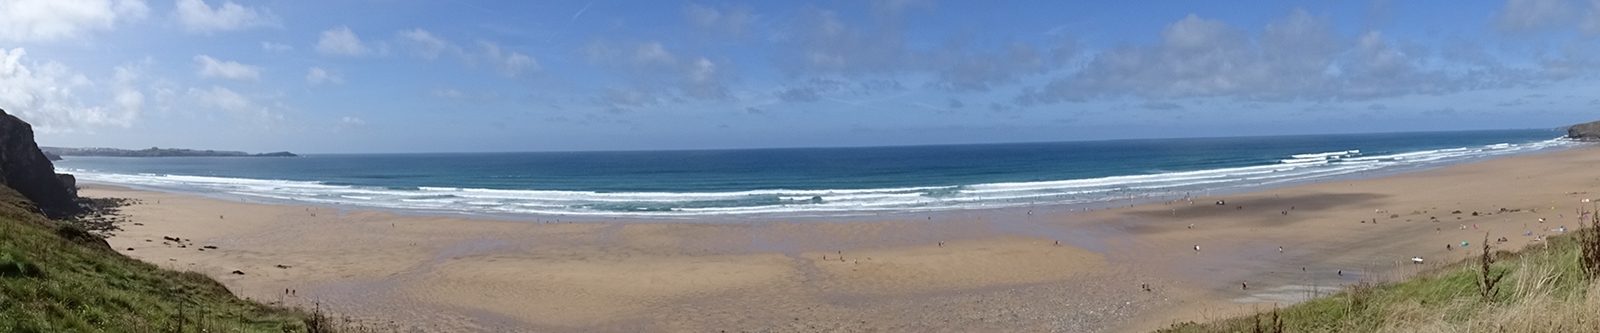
column 807, row 181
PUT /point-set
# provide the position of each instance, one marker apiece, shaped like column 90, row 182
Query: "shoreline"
column 965, row 270
column 846, row 216
column 843, row 202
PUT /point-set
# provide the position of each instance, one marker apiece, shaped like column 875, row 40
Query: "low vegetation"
column 61, row 277
column 1550, row 287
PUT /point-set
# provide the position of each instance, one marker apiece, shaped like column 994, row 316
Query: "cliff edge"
column 1589, row 131
column 25, row 168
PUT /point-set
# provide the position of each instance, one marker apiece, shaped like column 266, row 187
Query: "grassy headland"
column 1550, row 287
column 57, row 277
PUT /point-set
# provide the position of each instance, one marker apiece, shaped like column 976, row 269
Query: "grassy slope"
column 51, row 284
column 1544, row 290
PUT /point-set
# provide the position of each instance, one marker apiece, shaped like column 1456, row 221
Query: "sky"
column 353, row 76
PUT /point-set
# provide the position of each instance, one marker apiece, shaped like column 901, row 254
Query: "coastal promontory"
column 157, row 152
column 1585, row 131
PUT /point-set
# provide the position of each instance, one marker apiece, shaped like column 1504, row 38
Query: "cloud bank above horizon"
column 513, row 76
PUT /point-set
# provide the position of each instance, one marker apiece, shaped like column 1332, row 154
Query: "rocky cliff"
column 24, row 168
column 1585, row 131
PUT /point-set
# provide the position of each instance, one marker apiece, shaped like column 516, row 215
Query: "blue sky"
column 433, row 76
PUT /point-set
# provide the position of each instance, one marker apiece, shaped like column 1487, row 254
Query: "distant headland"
column 55, row 153
column 1585, row 131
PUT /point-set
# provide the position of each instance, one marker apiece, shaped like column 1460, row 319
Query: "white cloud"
column 726, row 20
column 213, row 68
column 509, row 64
column 275, row 47
column 45, row 20
column 227, row 100
column 1295, row 58
column 351, row 121
column 654, row 68
column 426, row 45
column 45, row 95
column 198, row 17
column 653, row 54
column 317, row 76
column 703, row 80
column 820, row 42
column 1524, row 15
column 341, row 41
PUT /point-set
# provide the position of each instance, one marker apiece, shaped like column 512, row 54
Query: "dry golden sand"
column 998, row 270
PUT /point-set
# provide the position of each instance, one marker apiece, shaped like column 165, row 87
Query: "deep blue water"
column 809, row 180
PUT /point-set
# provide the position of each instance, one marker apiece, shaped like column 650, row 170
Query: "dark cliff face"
column 26, row 169
column 1585, row 131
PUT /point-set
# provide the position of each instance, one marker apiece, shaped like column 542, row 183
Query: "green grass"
column 50, row 283
column 1545, row 290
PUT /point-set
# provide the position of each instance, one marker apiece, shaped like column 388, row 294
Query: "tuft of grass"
column 1488, row 277
column 1589, row 246
column 1543, row 289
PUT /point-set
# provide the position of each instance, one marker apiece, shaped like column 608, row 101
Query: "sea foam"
column 1304, row 167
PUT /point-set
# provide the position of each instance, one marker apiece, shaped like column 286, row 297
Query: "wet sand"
column 1025, row 269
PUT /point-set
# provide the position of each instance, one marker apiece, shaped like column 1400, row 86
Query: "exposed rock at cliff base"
column 69, row 182
column 24, row 168
column 1589, row 131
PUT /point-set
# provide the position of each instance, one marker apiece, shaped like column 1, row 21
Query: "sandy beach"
column 1027, row 269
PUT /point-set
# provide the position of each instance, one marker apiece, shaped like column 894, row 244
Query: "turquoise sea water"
column 809, row 181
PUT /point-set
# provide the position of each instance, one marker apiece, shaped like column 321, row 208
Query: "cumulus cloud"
column 1524, row 15
column 213, row 68
column 425, row 44
column 349, row 122
column 46, row 95
column 623, row 99
column 508, row 63
column 45, row 20
column 1297, row 57
column 821, row 43
column 653, row 54
column 342, row 42
column 226, row 100
column 704, row 80
column 654, row 68
column 732, row 21
column 198, row 17
column 317, row 76
column 961, row 69
column 275, row 47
